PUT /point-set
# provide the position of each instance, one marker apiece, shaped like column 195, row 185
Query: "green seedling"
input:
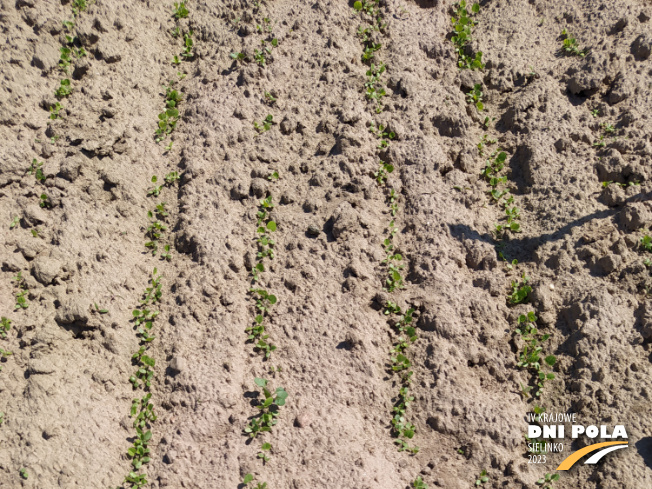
column 143, row 411
column 383, row 134
column 157, row 188
column 369, row 51
column 166, row 255
column 35, row 232
column 373, row 91
column 64, row 89
column 136, row 480
column 482, row 478
column 100, row 310
column 595, row 112
column 247, row 479
column 520, row 292
column 646, row 242
column 2, row 418
column 600, row 143
column 273, row 176
column 68, row 25
column 269, row 409
column 238, row 56
column 153, row 293
column 419, row 484
column 14, row 222
column 475, row 97
column 36, row 169
column 547, row 480
column 381, row 175
column 21, row 302
column 55, row 111
column 78, row 6
column 176, row 60
column 485, row 141
column 569, row 45
column 44, row 201
column 188, row 45
column 176, row 32
column 608, row 128
column 266, row 447
column 139, row 453
column 171, row 178
column 180, row 10
column 463, row 22
column 5, row 326
column 530, row 356
column 265, row 125
column 23, row 473
column 270, row 98
column 144, row 375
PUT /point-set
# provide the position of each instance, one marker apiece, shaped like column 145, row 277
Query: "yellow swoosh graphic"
column 574, row 457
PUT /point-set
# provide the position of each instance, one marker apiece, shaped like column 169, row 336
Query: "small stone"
column 46, row 269
column 609, row 263
column 303, row 419
column 178, row 364
column 313, row 230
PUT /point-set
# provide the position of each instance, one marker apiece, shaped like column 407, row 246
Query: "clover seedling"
column 547, row 480
column 136, row 480
column 36, row 169
column 384, row 169
column 569, row 45
column 265, row 125
column 14, row 222
column 530, row 356
column 520, row 292
column 2, row 418
column 238, row 56
column 646, row 242
column 54, row 111
column 266, row 447
column 23, row 473
column 5, row 326
column 187, row 39
column 482, row 478
column 64, row 89
column 462, row 24
column 419, row 484
column 98, row 309
column 475, row 97
column 269, row 409
column 273, row 176
column 157, row 189
column 171, row 178
column 269, row 97
column 166, row 255
column 180, row 10
column 374, row 92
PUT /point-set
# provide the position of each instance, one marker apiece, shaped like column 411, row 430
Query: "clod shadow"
column 644, row 448
column 523, row 248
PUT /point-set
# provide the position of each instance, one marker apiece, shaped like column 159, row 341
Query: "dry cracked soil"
column 385, row 294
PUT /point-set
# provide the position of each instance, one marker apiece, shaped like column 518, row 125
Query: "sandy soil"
column 76, row 188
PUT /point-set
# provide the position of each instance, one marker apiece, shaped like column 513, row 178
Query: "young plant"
column 269, row 409
column 64, row 89
column 520, row 292
column 569, row 45
column 36, row 169
column 188, row 43
column 373, row 90
column 23, row 473
column 145, row 373
column 463, row 22
column 381, row 175
column 482, row 478
column 180, row 10
column 14, row 222
column 265, row 448
column 530, row 356
column 475, row 97
column 5, row 326
column 419, row 484
column 55, row 111
column 265, row 125
column 546, row 481
column 136, row 480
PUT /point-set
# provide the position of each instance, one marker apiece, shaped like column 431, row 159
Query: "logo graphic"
column 601, row 450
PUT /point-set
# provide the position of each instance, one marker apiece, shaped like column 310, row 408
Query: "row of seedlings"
column 269, row 407
column 530, row 340
column 142, row 407
column 371, row 34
